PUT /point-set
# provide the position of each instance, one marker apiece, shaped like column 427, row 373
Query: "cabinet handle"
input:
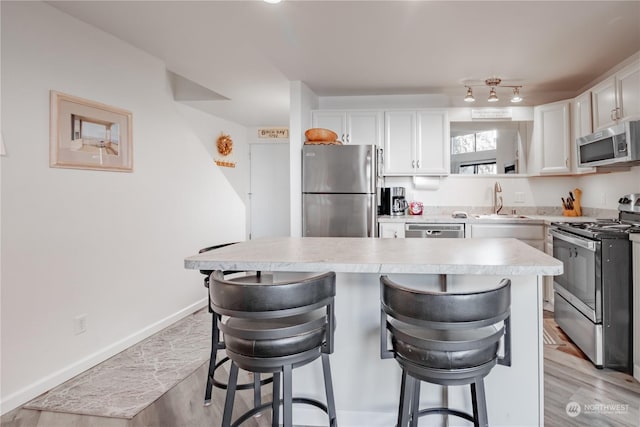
column 395, row 234
column 413, row 164
column 343, row 140
column 418, row 164
column 613, row 115
column 566, row 162
column 348, row 139
column 618, row 113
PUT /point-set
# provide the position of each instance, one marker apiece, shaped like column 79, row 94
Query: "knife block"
column 577, row 209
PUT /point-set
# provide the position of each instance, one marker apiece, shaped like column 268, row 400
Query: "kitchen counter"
column 528, row 219
column 367, row 387
column 363, row 255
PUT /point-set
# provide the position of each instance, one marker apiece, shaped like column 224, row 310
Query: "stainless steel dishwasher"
column 430, row 231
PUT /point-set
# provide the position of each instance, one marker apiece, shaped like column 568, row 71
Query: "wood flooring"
column 595, row 397
column 603, row 398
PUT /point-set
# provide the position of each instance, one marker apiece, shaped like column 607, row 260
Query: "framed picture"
column 89, row 135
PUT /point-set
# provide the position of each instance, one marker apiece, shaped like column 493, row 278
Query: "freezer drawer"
column 339, row 215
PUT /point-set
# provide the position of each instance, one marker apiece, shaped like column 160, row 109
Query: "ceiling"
column 243, row 54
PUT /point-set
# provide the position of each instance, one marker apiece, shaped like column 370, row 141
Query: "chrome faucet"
column 497, row 200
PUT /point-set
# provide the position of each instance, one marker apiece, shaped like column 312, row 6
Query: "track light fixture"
column 493, row 83
column 469, row 97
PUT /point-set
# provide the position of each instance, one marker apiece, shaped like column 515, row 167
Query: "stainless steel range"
column 593, row 297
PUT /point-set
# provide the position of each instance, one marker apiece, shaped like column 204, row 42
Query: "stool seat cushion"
column 242, row 341
column 446, row 349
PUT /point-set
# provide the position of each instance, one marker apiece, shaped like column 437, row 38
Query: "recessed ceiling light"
column 272, row 1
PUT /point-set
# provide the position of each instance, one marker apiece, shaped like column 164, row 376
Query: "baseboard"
column 47, row 383
column 315, row 417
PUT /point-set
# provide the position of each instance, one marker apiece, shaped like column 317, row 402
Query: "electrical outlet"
column 80, row 324
column 519, row 197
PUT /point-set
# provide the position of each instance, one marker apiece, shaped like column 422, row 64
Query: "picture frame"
column 86, row 134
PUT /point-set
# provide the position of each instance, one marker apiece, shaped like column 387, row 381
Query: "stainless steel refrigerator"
column 339, row 190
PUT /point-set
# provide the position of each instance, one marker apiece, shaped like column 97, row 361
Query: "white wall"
column 604, row 190
column 106, row 244
column 599, row 191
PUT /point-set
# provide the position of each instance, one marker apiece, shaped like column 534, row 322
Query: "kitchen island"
column 366, row 387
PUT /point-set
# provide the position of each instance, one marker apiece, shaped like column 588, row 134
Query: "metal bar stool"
column 218, row 344
column 276, row 327
column 446, row 339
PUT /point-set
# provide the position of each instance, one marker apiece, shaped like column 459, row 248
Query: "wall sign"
column 491, row 113
column 273, row 133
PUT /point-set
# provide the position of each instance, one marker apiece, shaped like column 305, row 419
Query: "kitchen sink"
column 500, row 216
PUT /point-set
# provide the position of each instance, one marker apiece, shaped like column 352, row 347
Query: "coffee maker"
column 392, row 201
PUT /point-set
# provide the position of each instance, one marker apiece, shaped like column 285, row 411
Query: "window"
column 478, row 169
column 475, row 153
column 473, row 142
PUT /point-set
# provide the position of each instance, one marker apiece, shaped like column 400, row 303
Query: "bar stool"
column 446, row 339
column 276, row 328
column 218, row 344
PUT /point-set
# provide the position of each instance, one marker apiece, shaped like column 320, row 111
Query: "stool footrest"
column 223, row 386
column 448, row 411
column 250, row 413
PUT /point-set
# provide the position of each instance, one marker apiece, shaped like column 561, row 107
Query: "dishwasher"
column 430, row 231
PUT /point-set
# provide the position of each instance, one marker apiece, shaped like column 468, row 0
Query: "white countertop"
column 366, row 255
column 634, row 237
column 529, row 219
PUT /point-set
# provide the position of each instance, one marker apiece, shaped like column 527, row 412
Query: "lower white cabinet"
column 391, row 230
column 548, row 280
column 531, row 234
column 636, row 309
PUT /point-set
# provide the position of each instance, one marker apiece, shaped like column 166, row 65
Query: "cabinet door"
column 629, row 92
column 399, row 142
column 364, row 127
column 582, row 125
column 333, row 120
column 636, row 309
column 554, row 137
column 392, row 230
column 604, row 99
column 548, row 280
column 432, row 146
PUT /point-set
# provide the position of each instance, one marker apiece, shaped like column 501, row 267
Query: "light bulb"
column 492, row 95
column 516, row 95
column 469, row 97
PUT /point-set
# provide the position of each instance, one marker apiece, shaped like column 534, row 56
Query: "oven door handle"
column 586, row 244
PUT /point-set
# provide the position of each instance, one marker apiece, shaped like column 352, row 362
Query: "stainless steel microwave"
column 617, row 145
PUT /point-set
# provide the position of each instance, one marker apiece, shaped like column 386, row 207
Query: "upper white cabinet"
column 416, row 142
column 352, row 127
column 581, row 119
column 551, row 139
column 617, row 98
